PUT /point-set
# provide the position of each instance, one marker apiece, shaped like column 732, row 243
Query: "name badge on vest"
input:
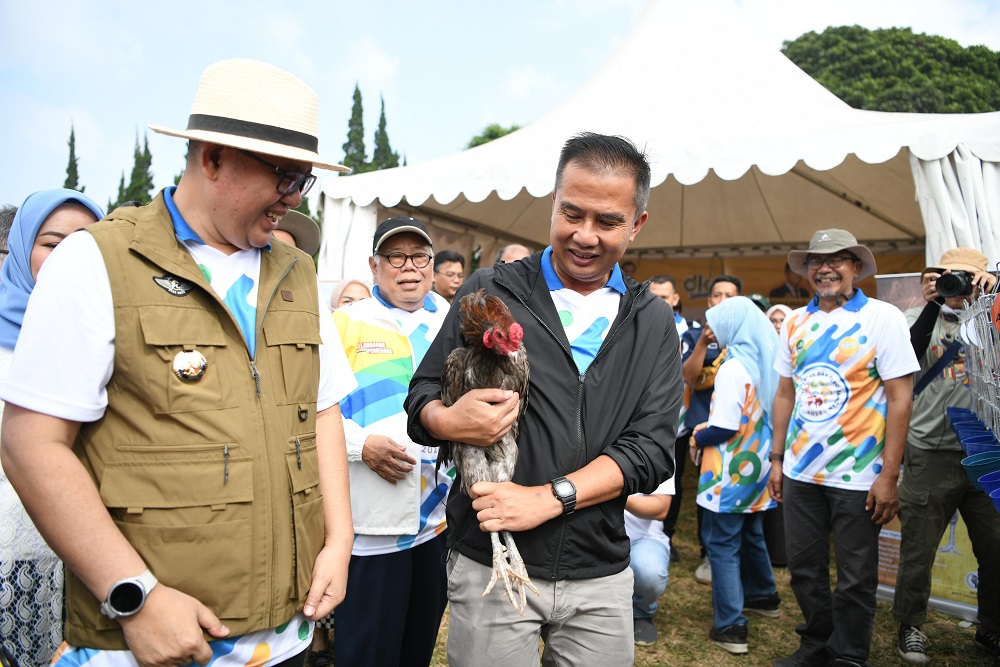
column 190, row 366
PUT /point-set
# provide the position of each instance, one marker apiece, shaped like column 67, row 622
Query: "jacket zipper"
column 579, row 395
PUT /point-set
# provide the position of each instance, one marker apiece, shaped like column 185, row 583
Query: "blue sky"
column 445, row 68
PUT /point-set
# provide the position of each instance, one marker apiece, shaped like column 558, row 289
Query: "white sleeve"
column 783, row 359
column 894, row 355
column 66, row 349
column 729, row 395
column 335, row 377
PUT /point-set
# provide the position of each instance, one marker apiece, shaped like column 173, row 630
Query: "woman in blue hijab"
column 31, row 576
column 735, row 447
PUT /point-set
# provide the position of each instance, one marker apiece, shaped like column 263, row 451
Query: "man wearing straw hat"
column 843, row 401
column 182, row 448
column 934, row 484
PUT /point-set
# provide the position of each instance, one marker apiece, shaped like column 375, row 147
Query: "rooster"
column 494, row 357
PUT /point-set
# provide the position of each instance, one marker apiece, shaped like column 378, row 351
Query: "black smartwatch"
column 565, row 491
column 127, row 596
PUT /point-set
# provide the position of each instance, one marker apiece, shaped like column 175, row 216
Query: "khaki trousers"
column 582, row 622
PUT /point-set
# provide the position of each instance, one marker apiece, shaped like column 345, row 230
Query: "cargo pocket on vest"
column 190, row 520
column 307, row 509
column 171, row 331
column 293, row 341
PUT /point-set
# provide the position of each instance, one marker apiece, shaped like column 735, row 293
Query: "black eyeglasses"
column 833, row 261
column 398, row 259
column 288, row 181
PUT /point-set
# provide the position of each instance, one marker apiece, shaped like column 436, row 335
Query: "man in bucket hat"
column 934, row 484
column 182, row 450
column 840, row 416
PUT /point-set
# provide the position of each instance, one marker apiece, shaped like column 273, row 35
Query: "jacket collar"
column 524, row 279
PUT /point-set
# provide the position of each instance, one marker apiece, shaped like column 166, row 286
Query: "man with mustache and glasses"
column 840, row 418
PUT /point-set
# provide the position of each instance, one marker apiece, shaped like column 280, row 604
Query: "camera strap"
column 939, row 366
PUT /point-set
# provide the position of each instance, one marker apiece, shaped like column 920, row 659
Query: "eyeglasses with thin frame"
column 288, row 181
column 833, row 261
column 397, row 260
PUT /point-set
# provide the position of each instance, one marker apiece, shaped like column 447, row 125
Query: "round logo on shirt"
column 823, row 393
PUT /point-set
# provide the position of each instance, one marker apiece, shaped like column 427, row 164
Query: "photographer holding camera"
column 934, row 485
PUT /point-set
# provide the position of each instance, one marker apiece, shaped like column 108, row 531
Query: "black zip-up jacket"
column 625, row 406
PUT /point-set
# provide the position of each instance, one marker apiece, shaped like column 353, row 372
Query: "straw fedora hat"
column 827, row 242
column 251, row 105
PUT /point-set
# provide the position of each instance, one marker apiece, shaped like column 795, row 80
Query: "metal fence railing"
column 982, row 359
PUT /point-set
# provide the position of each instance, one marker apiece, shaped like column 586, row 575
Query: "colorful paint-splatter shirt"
column 838, row 362
column 265, row 647
column 587, row 319
column 384, row 346
column 733, row 477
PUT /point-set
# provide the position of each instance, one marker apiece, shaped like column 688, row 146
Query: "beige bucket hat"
column 960, row 259
column 827, row 242
column 258, row 107
column 304, row 229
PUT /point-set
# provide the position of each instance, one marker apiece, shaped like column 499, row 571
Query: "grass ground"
column 685, row 617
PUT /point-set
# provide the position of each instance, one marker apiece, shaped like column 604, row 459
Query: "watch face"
column 564, row 488
column 126, row 597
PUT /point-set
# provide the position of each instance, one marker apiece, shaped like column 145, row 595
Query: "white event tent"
column 749, row 155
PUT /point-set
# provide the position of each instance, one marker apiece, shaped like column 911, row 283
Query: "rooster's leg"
column 518, row 571
column 501, row 570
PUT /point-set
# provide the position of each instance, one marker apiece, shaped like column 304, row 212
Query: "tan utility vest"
column 215, row 482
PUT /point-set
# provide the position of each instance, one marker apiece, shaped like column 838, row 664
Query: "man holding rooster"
column 604, row 394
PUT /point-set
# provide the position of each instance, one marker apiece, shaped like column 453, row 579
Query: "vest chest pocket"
column 307, row 508
column 292, row 342
column 191, row 338
column 190, row 518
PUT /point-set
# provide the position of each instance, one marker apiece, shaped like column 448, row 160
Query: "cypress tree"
column 72, row 173
column 354, row 148
column 383, row 157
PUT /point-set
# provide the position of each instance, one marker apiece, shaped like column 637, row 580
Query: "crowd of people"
column 202, row 460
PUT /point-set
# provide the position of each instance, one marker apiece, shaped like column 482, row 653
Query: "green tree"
column 490, row 133
column 140, row 187
column 383, row 156
column 895, row 70
column 354, row 148
column 72, row 173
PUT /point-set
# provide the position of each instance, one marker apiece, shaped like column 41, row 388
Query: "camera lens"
column 956, row 283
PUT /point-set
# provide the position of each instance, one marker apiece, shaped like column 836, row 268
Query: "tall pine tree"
column 140, row 185
column 72, row 173
column 354, row 149
column 383, row 157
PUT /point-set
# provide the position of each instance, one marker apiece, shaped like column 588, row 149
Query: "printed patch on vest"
column 174, row 285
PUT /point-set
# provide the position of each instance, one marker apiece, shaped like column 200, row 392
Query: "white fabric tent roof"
column 746, row 149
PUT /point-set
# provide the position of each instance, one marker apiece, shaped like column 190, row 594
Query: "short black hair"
column 601, row 152
column 445, row 256
column 726, row 279
column 661, row 278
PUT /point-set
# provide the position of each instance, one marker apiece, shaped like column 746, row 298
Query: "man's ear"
column 211, row 159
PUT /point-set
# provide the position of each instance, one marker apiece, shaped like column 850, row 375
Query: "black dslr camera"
column 956, row 283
